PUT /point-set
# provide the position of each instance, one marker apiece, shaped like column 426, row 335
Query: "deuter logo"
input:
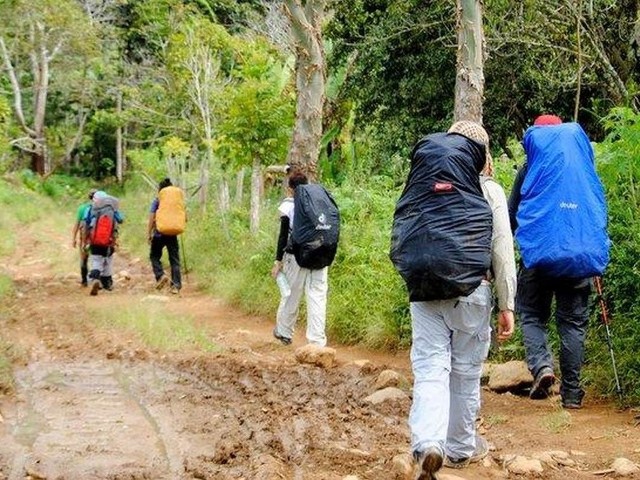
column 322, row 225
column 569, row 205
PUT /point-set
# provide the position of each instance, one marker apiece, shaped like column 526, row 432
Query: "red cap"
column 547, row 120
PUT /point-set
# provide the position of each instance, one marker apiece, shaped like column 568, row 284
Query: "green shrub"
column 156, row 327
column 619, row 168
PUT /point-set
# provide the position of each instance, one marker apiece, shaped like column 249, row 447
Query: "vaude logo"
column 569, row 205
column 322, row 225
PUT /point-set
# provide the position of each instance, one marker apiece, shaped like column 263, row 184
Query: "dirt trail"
column 93, row 402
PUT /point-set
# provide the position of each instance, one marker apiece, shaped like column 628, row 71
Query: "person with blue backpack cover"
column 558, row 212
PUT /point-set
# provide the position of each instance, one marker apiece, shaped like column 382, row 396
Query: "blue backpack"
column 562, row 216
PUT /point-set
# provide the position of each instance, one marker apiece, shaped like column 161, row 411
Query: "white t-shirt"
column 286, row 210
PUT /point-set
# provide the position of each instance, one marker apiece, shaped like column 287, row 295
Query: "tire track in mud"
column 79, row 420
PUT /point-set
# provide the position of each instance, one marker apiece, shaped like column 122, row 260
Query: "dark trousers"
column 171, row 243
column 84, row 265
column 533, row 305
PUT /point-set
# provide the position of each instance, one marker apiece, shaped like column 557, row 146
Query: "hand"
column 149, row 239
column 277, row 266
column 505, row 325
column 75, row 243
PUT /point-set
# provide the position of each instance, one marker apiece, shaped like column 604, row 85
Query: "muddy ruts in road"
column 223, row 417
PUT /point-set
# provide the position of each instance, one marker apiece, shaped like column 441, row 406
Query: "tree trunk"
column 119, row 152
column 35, row 133
column 256, row 188
column 38, row 162
column 239, row 187
column 306, row 22
column 40, row 70
column 82, row 120
column 470, row 61
column 204, row 181
column 224, row 195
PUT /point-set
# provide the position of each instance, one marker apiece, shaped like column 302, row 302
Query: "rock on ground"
column 391, row 378
column 510, row 376
column 385, row 395
column 624, row 467
column 324, row 357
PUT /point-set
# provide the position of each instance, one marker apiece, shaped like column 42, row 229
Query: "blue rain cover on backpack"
column 562, row 216
column 442, row 226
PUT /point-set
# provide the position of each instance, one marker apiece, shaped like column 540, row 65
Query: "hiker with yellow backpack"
column 167, row 220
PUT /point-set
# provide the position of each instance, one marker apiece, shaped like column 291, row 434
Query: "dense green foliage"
column 618, row 160
column 401, row 57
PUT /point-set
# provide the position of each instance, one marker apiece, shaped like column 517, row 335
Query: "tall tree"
column 470, row 61
column 564, row 57
column 401, row 74
column 32, row 47
column 202, row 50
column 306, row 19
column 257, row 124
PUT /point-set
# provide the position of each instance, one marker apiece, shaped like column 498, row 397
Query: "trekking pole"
column 184, row 259
column 605, row 320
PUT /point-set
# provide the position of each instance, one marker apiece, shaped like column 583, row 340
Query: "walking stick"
column 184, row 259
column 605, row 320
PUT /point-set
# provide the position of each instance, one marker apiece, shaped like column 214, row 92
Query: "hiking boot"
column 284, row 340
column 481, row 451
column 571, row 404
column 106, row 283
column 95, row 286
column 429, row 462
column 542, row 383
column 162, row 282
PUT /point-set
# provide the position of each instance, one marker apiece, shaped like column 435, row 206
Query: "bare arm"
column 151, row 226
column 74, row 234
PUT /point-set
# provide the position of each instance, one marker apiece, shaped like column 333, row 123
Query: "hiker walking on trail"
column 101, row 223
column 78, row 236
column 167, row 220
column 307, row 244
column 450, row 239
column 558, row 213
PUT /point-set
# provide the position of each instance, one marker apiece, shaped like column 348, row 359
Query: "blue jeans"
column 450, row 341
column 533, row 306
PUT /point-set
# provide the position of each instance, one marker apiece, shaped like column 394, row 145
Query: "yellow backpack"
column 171, row 216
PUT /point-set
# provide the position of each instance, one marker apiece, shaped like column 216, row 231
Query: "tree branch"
column 15, row 85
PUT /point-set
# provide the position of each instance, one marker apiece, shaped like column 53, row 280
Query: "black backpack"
column 316, row 227
column 442, row 226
